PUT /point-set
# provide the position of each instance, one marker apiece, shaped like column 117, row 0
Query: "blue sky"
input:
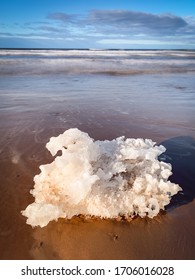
column 97, row 24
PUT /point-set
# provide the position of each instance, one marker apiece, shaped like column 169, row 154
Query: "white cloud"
column 137, row 42
column 109, row 27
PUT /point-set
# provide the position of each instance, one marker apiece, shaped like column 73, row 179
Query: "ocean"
column 106, row 93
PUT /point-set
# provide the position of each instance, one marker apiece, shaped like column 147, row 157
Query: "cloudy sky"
column 97, row 24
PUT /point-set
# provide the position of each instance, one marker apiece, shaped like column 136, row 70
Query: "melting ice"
column 109, row 179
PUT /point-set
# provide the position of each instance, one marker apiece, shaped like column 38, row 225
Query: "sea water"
column 107, row 93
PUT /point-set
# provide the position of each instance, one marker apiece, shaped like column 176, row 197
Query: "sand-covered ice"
column 122, row 177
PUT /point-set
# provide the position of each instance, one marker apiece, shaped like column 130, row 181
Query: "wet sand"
column 170, row 235
column 34, row 107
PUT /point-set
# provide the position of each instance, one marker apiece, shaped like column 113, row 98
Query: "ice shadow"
column 180, row 152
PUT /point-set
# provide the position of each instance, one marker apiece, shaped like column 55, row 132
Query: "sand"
column 170, row 235
column 37, row 102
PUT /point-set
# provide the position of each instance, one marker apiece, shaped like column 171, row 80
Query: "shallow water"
column 147, row 95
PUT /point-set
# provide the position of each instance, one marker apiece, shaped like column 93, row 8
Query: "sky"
column 98, row 24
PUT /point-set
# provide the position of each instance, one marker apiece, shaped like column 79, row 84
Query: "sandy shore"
column 37, row 104
column 95, row 239
column 170, row 235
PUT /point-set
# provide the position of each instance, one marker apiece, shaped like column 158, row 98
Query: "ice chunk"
column 100, row 178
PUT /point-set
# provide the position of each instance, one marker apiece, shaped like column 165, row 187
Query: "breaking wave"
column 108, row 179
column 114, row 62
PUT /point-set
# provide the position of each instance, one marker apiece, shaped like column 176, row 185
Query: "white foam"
column 128, row 62
column 100, row 178
column 93, row 52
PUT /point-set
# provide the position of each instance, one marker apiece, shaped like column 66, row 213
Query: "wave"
column 108, row 179
column 114, row 62
column 94, row 53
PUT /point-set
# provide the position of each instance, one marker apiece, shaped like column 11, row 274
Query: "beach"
column 111, row 93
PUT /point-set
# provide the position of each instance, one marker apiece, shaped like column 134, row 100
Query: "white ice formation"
column 122, row 177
